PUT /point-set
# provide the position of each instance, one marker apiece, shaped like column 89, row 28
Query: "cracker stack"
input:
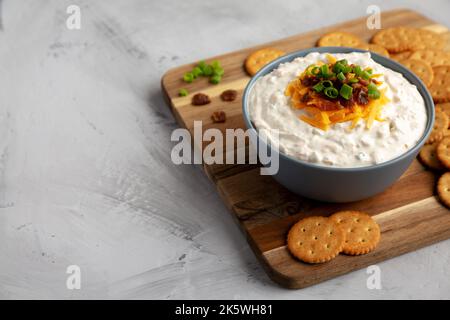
column 424, row 53
column 319, row 239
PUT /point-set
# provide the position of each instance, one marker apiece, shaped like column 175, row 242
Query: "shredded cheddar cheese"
column 323, row 119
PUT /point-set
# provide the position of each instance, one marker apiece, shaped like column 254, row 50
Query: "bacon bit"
column 305, row 98
column 310, row 81
column 361, row 96
column 200, row 99
column 363, row 82
column 229, row 95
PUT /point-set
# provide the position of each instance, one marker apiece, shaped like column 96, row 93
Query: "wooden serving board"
column 409, row 213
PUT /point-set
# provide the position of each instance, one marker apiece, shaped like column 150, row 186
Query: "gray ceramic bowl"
column 331, row 184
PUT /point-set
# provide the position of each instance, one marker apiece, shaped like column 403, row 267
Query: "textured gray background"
column 85, row 171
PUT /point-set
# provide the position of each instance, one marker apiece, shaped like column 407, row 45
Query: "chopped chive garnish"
column 215, row 79
column 309, row 69
column 342, row 66
column 365, row 75
column 331, row 92
column 347, row 69
column 315, row 71
column 324, row 71
column 373, row 91
column 183, row 93
column 374, row 95
column 214, row 71
column 357, row 70
column 372, row 86
column 341, row 76
column 202, row 65
column 318, row 87
column 327, row 83
column 218, row 71
column 338, row 67
column 216, row 65
column 207, row 70
column 346, row 91
column 197, row 71
column 188, row 77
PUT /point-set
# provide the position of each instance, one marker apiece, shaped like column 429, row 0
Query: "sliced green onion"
column 197, row 72
column 215, row 79
column 365, row 75
column 369, row 71
column 373, row 91
column 327, row 83
column 207, row 70
column 357, row 70
column 218, row 71
column 374, row 95
column 202, row 64
column 318, row 87
column 372, row 86
column 353, row 80
column 341, row 76
column 188, row 77
column 309, row 68
column 344, row 62
column 315, row 71
column 324, row 71
column 338, row 67
column 331, row 92
column 346, row 91
column 347, row 69
column 216, row 65
column 183, row 93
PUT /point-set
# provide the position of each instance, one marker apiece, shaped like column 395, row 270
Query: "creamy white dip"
column 405, row 118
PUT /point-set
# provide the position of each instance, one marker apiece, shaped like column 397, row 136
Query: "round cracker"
column 432, row 57
column 396, row 39
column 429, row 39
column 443, row 152
column 378, row 49
column 258, row 59
column 315, row 239
column 421, row 69
column 401, row 56
column 445, row 107
column 428, row 157
column 440, row 87
column 443, row 189
column 447, row 133
column 362, row 233
column 399, row 39
column 374, row 48
column 440, row 127
column 339, row 39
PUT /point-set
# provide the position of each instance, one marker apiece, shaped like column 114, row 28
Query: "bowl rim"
column 385, row 62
